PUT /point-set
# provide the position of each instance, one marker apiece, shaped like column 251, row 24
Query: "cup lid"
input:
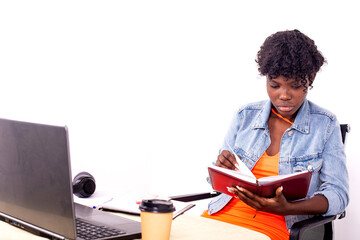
column 156, row 206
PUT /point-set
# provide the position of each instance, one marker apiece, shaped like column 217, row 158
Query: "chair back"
column 345, row 129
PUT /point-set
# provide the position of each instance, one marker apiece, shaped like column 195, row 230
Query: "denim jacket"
column 312, row 143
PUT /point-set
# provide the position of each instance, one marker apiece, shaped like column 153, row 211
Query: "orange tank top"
column 238, row 213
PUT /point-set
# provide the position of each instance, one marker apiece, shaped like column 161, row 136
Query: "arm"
column 334, row 175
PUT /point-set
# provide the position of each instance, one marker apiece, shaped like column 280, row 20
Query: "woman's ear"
column 311, row 80
column 313, row 77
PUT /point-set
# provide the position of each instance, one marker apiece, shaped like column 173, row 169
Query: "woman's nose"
column 285, row 95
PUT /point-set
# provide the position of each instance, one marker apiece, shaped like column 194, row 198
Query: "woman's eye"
column 274, row 86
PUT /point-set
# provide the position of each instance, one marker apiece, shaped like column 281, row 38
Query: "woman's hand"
column 276, row 205
column 317, row 204
column 227, row 160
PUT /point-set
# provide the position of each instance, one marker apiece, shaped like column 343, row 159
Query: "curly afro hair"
column 291, row 54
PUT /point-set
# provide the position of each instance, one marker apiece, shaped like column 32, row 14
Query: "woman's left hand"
column 276, row 205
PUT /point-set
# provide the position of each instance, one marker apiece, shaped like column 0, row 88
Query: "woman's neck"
column 281, row 117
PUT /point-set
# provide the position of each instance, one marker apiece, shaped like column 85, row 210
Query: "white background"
column 148, row 88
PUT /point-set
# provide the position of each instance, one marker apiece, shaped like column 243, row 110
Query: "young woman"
column 283, row 135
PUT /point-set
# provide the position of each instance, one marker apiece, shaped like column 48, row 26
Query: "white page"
column 278, row 177
column 237, row 174
column 242, row 168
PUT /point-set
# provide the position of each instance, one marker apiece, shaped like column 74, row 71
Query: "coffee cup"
column 156, row 219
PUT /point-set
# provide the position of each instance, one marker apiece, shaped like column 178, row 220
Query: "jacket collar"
column 302, row 120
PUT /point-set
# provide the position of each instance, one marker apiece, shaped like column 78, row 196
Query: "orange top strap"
column 285, row 119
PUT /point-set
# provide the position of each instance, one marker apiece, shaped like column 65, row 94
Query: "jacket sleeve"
column 334, row 175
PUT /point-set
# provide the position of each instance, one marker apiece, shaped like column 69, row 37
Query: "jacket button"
column 310, row 168
column 290, row 133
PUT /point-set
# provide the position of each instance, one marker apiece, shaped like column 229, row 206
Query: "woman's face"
column 286, row 95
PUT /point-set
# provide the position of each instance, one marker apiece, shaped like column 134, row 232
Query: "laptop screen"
column 35, row 176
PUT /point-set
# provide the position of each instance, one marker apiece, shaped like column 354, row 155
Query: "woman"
column 285, row 134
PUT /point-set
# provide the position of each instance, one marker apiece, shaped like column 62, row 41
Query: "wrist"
column 289, row 209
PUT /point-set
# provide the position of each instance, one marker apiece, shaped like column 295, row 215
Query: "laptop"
column 36, row 186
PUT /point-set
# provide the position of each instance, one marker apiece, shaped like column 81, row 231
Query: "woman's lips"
column 285, row 108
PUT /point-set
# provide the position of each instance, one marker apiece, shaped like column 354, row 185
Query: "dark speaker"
column 84, row 185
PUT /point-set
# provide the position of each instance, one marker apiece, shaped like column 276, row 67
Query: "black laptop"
column 36, row 187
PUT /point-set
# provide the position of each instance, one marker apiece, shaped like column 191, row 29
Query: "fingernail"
column 240, row 188
column 230, row 190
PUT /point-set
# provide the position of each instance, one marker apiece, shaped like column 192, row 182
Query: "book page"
column 278, row 177
column 237, row 174
column 243, row 169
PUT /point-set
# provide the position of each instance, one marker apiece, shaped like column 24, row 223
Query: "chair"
column 317, row 227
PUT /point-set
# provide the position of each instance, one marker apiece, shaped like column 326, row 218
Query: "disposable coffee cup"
column 156, row 219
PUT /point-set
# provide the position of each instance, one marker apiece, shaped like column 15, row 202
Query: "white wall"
column 147, row 88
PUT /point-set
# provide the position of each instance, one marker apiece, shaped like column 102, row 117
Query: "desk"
column 184, row 227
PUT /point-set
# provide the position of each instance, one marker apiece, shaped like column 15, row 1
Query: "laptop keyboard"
column 90, row 231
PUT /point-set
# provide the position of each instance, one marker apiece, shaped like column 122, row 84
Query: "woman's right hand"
column 227, row 160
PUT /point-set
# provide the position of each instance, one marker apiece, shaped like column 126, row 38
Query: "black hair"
column 291, row 54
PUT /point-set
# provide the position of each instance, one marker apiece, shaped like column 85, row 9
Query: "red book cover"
column 295, row 186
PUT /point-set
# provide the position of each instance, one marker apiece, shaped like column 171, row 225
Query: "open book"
column 295, row 186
